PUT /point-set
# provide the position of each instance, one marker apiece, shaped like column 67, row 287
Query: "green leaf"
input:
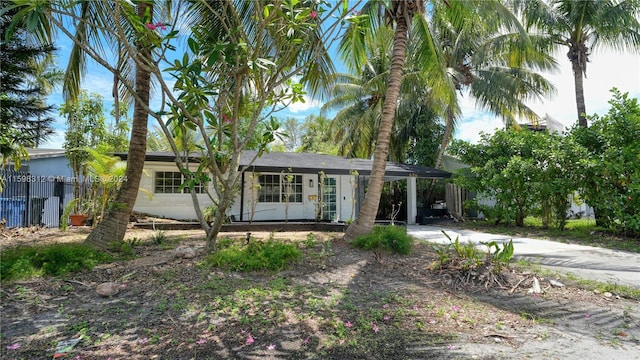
column 193, row 45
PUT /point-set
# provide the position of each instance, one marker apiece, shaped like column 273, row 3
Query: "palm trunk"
column 579, row 89
column 113, row 227
column 446, row 137
column 367, row 215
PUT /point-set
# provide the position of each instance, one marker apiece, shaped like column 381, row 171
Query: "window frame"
column 269, row 183
column 174, row 186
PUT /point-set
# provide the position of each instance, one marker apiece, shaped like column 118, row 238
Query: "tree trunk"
column 578, row 77
column 446, row 137
column 367, row 215
column 114, row 225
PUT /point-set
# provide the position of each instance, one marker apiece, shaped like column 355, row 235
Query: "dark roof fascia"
column 362, row 166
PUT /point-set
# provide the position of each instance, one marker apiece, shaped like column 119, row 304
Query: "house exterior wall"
column 263, row 211
column 49, row 166
column 173, row 206
column 180, row 206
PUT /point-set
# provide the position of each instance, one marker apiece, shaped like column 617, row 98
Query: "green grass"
column 577, row 231
column 269, row 255
column 389, row 238
column 56, row 259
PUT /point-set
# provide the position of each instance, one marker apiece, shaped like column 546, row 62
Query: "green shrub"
column 270, row 255
column 389, row 238
column 56, row 259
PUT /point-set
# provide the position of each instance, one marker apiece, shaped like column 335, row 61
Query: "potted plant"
column 76, row 212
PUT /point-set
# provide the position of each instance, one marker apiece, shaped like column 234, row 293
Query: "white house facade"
column 277, row 186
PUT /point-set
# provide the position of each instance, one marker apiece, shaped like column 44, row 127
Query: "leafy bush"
column 467, row 256
column 56, row 259
column 389, row 238
column 609, row 177
column 270, row 255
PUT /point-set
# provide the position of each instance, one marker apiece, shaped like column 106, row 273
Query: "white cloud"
column 309, row 104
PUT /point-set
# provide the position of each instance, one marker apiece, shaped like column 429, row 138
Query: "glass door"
column 330, row 198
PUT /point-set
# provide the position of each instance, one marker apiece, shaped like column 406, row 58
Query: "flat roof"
column 44, row 153
column 306, row 163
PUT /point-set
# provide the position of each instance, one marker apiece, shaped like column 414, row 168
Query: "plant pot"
column 77, row 219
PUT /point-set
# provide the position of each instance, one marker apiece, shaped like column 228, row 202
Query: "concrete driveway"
column 587, row 262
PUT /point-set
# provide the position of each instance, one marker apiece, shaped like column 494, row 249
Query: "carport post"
column 412, row 209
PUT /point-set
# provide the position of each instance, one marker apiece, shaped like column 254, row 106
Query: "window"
column 269, row 188
column 169, row 182
column 276, row 188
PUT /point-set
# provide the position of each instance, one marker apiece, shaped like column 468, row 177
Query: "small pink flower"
column 587, row 316
column 341, row 341
column 348, row 324
column 271, row 347
column 415, row 307
column 386, row 318
column 385, row 306
column 313, row 14
column 13, row 346
column 150, row 26
column 306, row 340
column 451, row 347
column 201, row 341
column 225, row 118
column 250, row 340
column 161, row 26
column 143, row 340
column 432, row 321
column 374, row 327
column 455, row 308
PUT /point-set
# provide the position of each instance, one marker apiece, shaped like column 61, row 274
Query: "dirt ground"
column 337, row 302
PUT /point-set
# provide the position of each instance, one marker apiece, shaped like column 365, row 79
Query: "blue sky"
column 606, row 70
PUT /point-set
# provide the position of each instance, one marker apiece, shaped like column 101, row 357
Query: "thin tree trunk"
column 579, row 89
column 446, row 137
column 113, row 227
column 367, row 215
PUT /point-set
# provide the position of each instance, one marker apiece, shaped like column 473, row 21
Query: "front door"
column 330, row 198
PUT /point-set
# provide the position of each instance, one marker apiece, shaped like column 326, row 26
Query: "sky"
column 605, row 71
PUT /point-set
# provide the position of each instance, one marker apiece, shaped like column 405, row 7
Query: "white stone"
column 107, row 289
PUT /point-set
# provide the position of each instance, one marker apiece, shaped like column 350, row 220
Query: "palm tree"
column 497, row 65
column 582, row 27
column 400, row 13
column 359, row 99
column 94, row 24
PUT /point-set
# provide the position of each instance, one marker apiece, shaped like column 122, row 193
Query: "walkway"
column 587, row 262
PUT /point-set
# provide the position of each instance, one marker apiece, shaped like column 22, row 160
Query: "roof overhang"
column 310, row 163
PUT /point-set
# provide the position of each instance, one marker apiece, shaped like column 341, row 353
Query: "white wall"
column 180, row 206
column 276, row 211
column 173, row 206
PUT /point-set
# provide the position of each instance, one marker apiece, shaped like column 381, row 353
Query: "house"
column 36, row 193
column 317, row 186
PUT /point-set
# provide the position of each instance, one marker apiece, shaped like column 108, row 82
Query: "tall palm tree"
column 582, row 27
column 401, row 14
column 359, row 99
column 496, row 64
column 93, row 23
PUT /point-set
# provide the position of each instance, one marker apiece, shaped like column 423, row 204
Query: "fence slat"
column 32, row 200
